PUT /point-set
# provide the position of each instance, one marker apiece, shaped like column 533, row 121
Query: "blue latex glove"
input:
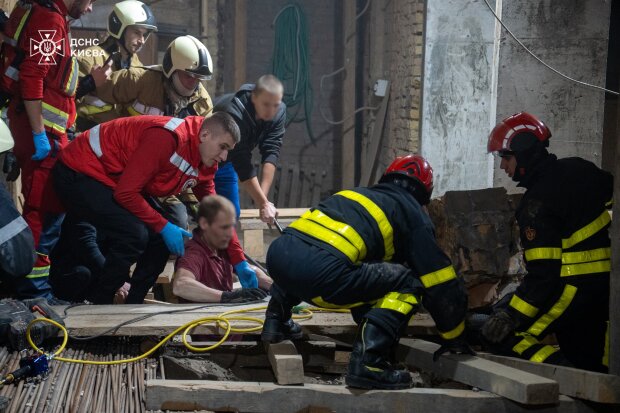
column 173, row 237
column 42, row 146
column 247, row 276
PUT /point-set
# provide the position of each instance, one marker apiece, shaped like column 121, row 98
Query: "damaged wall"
column 473, row 77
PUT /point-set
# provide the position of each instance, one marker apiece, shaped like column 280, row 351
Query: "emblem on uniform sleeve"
column 530, row 233
column 190, row 183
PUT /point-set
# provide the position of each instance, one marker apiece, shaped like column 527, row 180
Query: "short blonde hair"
column 269, row 84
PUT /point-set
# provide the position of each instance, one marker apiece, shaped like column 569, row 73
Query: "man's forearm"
column 269, row 170
column 192, row 290
column 34, row 109
column 253, row 188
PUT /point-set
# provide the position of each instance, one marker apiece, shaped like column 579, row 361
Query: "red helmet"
column 415, row 167
column 502, row 137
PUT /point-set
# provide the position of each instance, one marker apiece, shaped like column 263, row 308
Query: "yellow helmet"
column 188, row 54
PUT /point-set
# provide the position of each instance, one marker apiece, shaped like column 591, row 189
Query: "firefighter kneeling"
column 372, row 250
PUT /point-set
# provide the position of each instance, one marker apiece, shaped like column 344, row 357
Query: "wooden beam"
column 282, row 213
column 349, row 25
column 614, row 282
column 376, row 139
column 505, row 381
column 287, row 364
column 94, row 319
column 268, row 397
column 587, row 385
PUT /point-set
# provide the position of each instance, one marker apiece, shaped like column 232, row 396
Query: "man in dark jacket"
column 564, row 222
column 261, row 116
column 371, row 250
column 16, row 241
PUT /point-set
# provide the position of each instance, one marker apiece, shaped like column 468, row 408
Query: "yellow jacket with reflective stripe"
column 91, row 107
column 386, row 223
column 141, row 91
column 563, row 225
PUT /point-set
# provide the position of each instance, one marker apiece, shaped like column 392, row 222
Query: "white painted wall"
column 474, row 77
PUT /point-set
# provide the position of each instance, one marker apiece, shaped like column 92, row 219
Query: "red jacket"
column 48, row 71
column 146, row 155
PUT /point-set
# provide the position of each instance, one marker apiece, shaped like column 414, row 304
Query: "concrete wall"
column 458, row 92
column 475, row 76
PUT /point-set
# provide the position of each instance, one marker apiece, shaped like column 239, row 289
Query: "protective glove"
column 247, row 276
column 268, row 213
column 173, row 237
column 42, row 146
column 10, row 167
column 456, row 346
column 498, row 327
column 243, row 295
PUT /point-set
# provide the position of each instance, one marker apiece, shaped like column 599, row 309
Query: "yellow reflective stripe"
column 94, row 110
column 526, row 342
column 133, row 112
column 557, row 310
column 585, row 268
column 523, row 306
column 587, row 231
column 609, row 203
column 379, row 216
column 54, row 118
column 542, row 354
column 39, row 272
column 22, row 22
column 332, row 238
column 438, row 277
column 586, row 256
column 454, row 333
column 71, row 84
column 399, row 302
column 605, row 360
column 322, row 303
column 543, row 254
column 343, row 229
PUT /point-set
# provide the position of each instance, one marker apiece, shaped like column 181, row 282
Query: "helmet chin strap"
column 178, row 86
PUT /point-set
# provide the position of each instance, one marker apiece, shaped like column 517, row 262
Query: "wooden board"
column 94, row 319
column 287, row 364
column 588, row 385
column 282, row 213
column 268, row 398
column 505, row 381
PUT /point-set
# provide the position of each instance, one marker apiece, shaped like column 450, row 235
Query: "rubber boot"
column 369, row 367
column 279, row 325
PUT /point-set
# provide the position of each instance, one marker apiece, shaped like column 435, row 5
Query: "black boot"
column 279, row 325
column 369, row 367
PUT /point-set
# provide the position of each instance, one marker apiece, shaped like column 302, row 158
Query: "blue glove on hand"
column 173, row 237
column 247, row 276
column 42, row 146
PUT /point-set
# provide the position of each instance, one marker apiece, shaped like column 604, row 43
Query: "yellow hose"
column 223, row 321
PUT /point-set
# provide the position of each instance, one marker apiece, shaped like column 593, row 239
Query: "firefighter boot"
column 369, row 367
column 279, row 325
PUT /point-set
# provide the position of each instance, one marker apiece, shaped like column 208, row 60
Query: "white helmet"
column 6, row 140
column 188, row 54
column 130, row 13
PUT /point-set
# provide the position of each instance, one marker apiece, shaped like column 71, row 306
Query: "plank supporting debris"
column 268, row 397
column 505, row 381
column 253, row 243
column 287, row 364
column 587, row 385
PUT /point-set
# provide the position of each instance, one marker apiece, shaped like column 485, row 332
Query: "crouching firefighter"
column 373, row 251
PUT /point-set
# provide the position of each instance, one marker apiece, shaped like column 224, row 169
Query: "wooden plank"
column 268, row 397
column 166, row 276
column 253, row 243
column 376, row 139
column 240, row 43
column 349, row 26
column 317, row 188
column 284, row 187
column 307, row 180
column 94, row 319
column 287, row 364
column 505, row 381
column 587, row 385
column 282, row 213
column 293, row 199
column 257, row 224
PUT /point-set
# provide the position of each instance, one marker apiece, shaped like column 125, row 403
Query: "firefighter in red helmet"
column 563, row 222
column 371, row 250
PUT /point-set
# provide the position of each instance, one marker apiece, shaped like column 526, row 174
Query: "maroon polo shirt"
column 211, row 269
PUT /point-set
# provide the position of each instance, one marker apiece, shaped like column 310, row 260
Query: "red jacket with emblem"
column 146, row 155
column 48, row 71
